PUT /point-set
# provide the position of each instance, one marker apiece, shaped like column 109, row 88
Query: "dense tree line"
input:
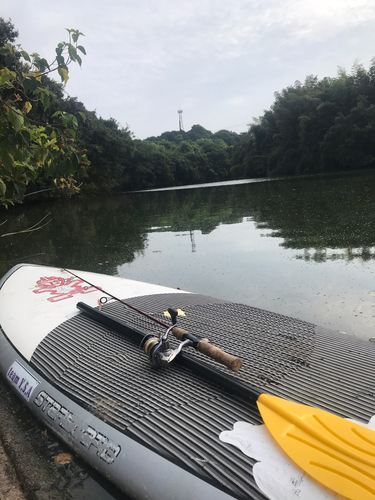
column 322, row 125
column 319, row 126
column 178, row 158
column 118, row 161
column 50, row 143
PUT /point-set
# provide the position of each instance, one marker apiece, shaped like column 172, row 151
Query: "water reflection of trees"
column 322, row 218
column 327, row 219
column 324, row 255
column 89, row 234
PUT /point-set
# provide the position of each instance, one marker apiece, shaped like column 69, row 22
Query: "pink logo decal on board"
column 62, row 288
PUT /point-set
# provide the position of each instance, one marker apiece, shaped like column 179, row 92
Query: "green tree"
column 216, row 153
column 230, row 138
column 350, row 142
column 8, row 33
column 198, row 132
column 110, row 150
column 152, row 166
column 193, row 157
column 319, row 126
column 31, row 147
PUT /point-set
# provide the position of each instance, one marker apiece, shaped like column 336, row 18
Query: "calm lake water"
column 303, row 247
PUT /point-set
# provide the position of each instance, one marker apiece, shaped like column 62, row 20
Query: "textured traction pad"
column 179, row 415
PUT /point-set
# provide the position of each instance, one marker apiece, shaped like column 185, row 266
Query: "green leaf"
column 46, row 103
column 25, row 55
column 3, row 188
column 25, row 134
column 7, row 77
column 16, row 118
column 60, row 60
column 12, row 140
column 41, row 155
column 50, row 171
column 5, row 147
column 42, row 64
column 65, row 118
column 7, row 72
column 74, row 121
column 29, row 84
column 64, row 75
column 82, row 49
column 20, row 188
column 8, row 160
column 54, row 154
column 72, row 52
column 72, row 133
column 82, row 115
column 76, row 159
column 79, row 60
column 75, row 37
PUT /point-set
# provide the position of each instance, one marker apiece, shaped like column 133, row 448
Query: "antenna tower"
column 180, row 124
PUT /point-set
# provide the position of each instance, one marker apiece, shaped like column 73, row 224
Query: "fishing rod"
column 158, row 349
column 336, row 452
column 139, row 337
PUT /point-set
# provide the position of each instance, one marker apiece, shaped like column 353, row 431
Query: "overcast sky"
column 220, row 61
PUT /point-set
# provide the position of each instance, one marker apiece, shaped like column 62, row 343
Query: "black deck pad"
column 179, row 415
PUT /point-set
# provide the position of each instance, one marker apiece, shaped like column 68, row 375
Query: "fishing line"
column 165, row 325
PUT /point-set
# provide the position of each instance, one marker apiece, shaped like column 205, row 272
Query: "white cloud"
column 145, row 57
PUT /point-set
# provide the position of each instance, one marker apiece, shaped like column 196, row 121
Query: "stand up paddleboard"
column 172, row 422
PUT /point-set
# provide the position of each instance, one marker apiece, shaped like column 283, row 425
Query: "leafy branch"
column 30, row 145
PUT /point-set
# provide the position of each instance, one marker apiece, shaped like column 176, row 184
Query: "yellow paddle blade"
column 337, row 453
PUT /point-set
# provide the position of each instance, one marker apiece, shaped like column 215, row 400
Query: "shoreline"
column 10, row 488
column 27, row 468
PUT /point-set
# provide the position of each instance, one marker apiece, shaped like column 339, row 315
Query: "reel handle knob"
column 174, row 314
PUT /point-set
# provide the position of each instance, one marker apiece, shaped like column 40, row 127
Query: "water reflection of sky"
column 240, row 263
column 205, row 185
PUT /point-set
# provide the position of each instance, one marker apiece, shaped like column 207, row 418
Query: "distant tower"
column 180, row 124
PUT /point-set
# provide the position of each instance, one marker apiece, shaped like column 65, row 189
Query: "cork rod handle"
column 231, row 362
